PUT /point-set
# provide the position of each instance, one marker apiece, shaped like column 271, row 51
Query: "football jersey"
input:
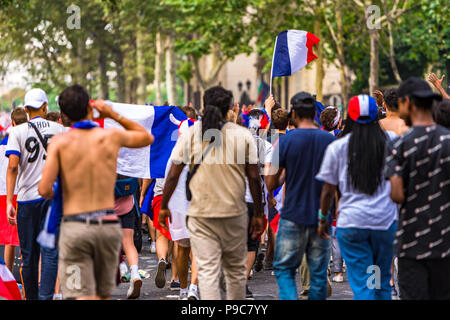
column 24, row 142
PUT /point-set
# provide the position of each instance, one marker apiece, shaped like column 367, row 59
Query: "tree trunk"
column 120, row 75
column 171, row 78
column 159, row 59
column 103, row 92
column 80, row 74
column 141, row 93
column 392, row 54
column 374, row 60
column 319, row 63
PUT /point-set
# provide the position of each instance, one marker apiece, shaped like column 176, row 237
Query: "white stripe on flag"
column 126, row 162
column 363, row 105
column 298, row 53
column 5, row 274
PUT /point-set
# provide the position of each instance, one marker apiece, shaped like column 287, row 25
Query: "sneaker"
column 174, row 285
column 135, row 288
column 183, row 296
column 144, row 274
column 304, row 295
column 268, row 265
column 248, row 293
column 193, row 294
column 250, row 277
column 338, row 278
column 153, row 247
column 394, row 291
column 57, row 296
column 123, row 272
column 259, row 262
column 160, row 279
column 125, row 278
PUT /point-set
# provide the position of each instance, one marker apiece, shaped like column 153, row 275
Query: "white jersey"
column 265, row 151
column 24, row 142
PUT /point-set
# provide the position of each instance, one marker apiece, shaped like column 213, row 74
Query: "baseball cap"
column 362, row 109
column 418, row 88
column 35, row 98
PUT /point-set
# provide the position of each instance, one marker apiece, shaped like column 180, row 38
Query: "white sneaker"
column 193, row 294
column 57, row 296
column 338, row 278
column 153, row 248
column 183, row 296
column 135, row 288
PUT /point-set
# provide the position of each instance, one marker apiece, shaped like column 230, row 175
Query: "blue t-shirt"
column 301, row 152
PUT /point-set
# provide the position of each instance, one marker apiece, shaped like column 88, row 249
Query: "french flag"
column 293, row 51
column 147, row 162
column 8, row 233
column 8, row 285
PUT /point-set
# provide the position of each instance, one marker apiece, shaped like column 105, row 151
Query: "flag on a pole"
column 293, row 51
column 9, row 289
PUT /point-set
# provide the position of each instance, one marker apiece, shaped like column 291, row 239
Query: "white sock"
column 193, row 287
column 185, row 290
column 134, row 271
column 123, row 268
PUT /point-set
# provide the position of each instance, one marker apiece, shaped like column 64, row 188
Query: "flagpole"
column 271, row 69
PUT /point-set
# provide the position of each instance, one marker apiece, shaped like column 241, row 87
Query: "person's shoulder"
column 340, row 144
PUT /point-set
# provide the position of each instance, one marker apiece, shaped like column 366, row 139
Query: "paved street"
column 263, row 284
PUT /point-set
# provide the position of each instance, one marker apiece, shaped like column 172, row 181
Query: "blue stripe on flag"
column 162, row 130
column 281, row 61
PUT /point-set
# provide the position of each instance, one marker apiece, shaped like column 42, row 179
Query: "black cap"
column 416, row 87
column 302, row 97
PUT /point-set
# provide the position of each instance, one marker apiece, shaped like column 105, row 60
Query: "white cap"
column 35, row 98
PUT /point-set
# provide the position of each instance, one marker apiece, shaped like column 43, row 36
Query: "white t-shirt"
column 24, row 142
column 265, row 150
column 356, row 209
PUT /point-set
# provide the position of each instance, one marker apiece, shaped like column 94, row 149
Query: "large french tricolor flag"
column 293, row 51
column 148, row 162
column 8, row 285
column 8, row 233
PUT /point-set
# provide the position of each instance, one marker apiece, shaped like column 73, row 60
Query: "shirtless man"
column 85, row 158
column 392, row 122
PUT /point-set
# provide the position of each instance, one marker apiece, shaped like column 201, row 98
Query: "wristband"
column 321, row 216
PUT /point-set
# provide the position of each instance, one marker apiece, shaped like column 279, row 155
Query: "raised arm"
column 134, row 136
column 438, row 84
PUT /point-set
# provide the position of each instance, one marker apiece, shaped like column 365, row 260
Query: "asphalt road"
column 263, row 284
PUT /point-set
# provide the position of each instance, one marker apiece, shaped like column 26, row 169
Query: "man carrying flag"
column 85, row 158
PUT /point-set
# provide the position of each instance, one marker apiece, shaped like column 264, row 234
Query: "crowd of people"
column 366, row 192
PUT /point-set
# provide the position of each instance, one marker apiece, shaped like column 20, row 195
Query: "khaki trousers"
column 220, row 244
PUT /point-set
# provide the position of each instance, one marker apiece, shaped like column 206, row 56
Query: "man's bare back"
column 88, row 160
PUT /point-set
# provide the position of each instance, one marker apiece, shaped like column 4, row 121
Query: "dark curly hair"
column 327, row 118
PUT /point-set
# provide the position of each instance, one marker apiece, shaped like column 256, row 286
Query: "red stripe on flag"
column 101, row 122
column 311, row 40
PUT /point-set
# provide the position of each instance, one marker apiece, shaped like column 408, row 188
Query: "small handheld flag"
column 293, row 51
